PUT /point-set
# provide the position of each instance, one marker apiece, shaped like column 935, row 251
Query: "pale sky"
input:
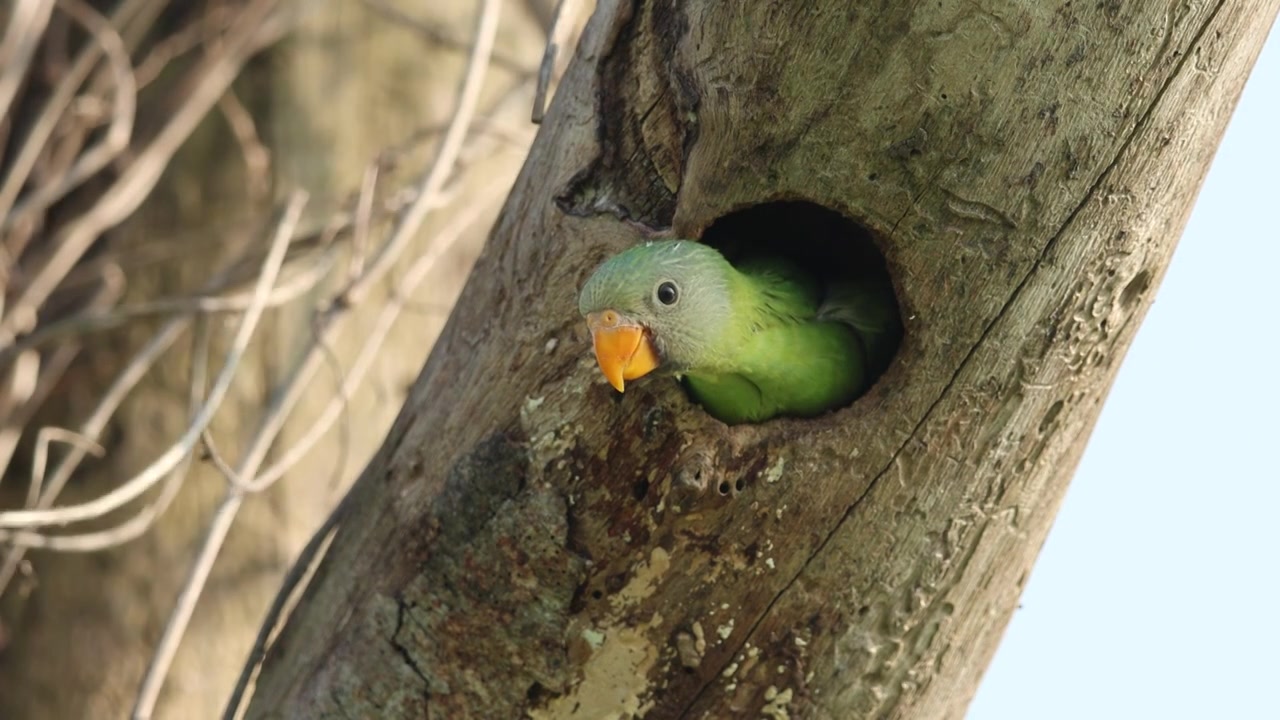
column 1157, row 594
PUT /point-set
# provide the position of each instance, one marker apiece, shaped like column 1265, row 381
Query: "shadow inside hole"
column 822, row 242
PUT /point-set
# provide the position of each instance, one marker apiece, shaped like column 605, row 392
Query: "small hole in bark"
column 652, row 423
column 597, row 594
column 1136, row 287
column 836, row 257
column 616, row 582
column 724, row 488
column 740, row 484
column 640, row 489
column 1050, row 416
column 689, row 477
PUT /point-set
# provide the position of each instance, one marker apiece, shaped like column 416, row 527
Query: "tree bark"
column 528, row 543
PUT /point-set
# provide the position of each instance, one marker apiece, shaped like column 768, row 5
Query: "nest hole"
column 824, row 243
column 640, row 490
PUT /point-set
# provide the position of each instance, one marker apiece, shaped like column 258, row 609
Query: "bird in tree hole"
column 750, row 340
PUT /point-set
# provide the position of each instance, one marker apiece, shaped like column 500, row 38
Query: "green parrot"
column 750, row 340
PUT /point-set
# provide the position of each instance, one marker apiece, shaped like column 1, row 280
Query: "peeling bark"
column 1026, row 170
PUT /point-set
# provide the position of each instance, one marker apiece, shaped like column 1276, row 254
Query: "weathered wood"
column 527, row 542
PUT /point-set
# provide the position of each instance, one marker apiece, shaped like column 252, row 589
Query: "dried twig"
column 92, row 101
column 406, row 227
column 440, row 36
column 141, row 521
column 93, row 426
column 27, row 20
column 96, row 157
column 216, row 20
column 152, row 474
column 396, row 304
column 300, row 282
column 290, row 587
column 43, row 438
column 255, row 28
column 559, row 34
column 257, row 159
column 442, row 167
column 363, row 220
column 24, row 380
column 50, row 371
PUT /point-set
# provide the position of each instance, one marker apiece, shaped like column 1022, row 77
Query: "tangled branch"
column 74, row 165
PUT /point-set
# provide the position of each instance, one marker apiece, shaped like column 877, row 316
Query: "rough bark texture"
column 528, row 543
column 348, row 84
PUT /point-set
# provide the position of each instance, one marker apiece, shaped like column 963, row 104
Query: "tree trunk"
column 529, row 543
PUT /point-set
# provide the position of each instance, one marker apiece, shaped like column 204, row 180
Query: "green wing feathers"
column 869, row 307
column 802, row 348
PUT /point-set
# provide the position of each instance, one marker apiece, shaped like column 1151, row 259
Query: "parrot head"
column 663, row 305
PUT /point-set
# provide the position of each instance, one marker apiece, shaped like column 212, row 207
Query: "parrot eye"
column 667, row 293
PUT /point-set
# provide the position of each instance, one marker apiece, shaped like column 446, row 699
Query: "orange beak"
column 623, row 348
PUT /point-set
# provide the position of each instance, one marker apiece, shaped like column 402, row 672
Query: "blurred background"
column 227, row 228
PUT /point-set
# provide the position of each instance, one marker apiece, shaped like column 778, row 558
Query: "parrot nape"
column 751, row 340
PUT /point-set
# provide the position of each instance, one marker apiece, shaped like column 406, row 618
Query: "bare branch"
column 43, row 438
column 363, row 219
column 51, row 370
column 86, row 123
column 257, row 159
column 27, row 21
column 405, row 229
column 219, row 462
column 216, row 20
column 95, row 158
column 560, row 35
column 142, row 521
column 170, row 458
column 440, row 36
column 299, row 282
column 473, row 81
column 256, row 28
column 93, row 426
column 372, row 344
